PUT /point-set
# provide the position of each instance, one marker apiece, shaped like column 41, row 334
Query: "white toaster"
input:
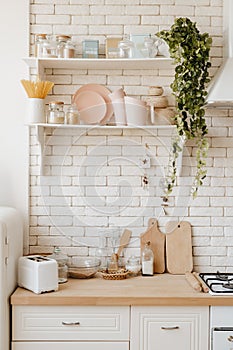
column 38, row 273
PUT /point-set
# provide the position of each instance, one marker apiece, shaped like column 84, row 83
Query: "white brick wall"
column 94, row 180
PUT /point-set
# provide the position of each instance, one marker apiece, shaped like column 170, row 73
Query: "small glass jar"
column 40, row 39
column 72, row 115
column 49, row 48
column 69, row 50
column 61, row 41
column 126, row 48
column 133, row 265
column 61, row 260
column 55, row 113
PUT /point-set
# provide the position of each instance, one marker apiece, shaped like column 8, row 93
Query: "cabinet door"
column 69, row 346
column 166, row 328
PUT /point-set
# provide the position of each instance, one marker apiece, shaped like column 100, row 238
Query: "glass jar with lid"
column 72, row 115
column 133, row 265
column 69, row 49
column 55, row 114
column 40, row 40
column 49, row 47
column 126, row 47
column 61, row 41
column 61, row 260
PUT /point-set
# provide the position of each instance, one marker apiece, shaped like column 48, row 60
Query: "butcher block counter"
column 159, row 290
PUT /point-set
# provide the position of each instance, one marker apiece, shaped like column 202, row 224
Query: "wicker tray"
column 119, row 275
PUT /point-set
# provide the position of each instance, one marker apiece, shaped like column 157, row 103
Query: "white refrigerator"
column 11, row 248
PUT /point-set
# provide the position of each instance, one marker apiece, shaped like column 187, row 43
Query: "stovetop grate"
column 216, row 282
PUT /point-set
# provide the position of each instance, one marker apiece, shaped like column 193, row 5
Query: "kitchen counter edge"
column 159, row 290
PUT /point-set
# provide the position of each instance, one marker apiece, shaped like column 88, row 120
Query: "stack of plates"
column 94, row 104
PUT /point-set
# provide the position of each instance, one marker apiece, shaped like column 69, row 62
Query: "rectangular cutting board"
column 157, row 239
column 179, row 256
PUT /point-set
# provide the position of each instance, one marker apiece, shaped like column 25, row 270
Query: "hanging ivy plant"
column 189, row 50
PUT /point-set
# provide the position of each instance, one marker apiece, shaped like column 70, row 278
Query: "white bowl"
column 136, row 111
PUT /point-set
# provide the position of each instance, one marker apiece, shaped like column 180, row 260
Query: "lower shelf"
column 40, row 134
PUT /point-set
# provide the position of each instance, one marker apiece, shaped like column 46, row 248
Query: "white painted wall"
column 14, row 26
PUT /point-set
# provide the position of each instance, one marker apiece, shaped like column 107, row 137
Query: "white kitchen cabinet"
column 166, row 328
column 69, row 328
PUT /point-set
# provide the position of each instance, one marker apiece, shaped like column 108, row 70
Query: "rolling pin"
column 192, row 280
column 203, row 285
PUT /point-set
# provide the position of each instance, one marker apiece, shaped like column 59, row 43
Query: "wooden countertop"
column 164, row 289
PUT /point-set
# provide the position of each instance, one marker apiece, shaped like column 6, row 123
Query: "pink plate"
column 104, row 92
column 91, row 106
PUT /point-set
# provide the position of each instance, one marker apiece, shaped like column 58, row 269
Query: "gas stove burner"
column 221, row 276
column 228, row 285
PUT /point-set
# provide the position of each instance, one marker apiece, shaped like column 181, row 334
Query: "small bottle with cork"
column 147, row 260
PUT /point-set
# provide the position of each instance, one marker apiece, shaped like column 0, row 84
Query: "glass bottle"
column 147, row 260
column 72, row 115
column 102, row 252
column 61, row 260
column 55, row 114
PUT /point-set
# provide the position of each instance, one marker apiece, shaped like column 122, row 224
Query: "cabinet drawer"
column 70, row 346
column 70, row 323
column 177, row 328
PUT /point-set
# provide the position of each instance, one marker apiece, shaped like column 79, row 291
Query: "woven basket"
column 119, row 275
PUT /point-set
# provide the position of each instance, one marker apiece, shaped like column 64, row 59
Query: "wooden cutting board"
column 157, row 239
column 179, row 256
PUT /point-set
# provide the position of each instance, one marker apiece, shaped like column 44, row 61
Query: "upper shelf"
column 99, row 63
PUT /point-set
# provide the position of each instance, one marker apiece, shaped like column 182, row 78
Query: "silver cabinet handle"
column 65, row 323
column 170, row 328
column 230, row 338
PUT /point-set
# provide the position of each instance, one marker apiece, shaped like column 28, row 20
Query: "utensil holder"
column 36, row 111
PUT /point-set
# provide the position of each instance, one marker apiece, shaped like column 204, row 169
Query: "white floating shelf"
column 104, row 127
column 99, row 63
column 41, row 127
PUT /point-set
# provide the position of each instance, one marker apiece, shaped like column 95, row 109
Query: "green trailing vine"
column 189, row 50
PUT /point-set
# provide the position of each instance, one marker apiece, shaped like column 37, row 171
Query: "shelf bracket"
column 40, row 135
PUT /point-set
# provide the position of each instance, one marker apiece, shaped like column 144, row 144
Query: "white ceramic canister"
column 36, row 111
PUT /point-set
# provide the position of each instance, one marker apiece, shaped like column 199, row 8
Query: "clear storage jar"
column 61, row 260
column 49, row 47
column 69, row 49
column 72, row 115
column 61, row 42
column 133, row 265
column 40, row 40
column 55, row 114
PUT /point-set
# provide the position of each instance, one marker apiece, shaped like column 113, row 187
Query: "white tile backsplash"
column 93, row 180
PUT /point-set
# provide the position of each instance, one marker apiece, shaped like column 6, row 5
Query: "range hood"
column 220, row 90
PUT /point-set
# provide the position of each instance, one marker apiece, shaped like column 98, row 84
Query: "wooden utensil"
column 179, row 247
column 157, row 240
column 124, row 240
column 205, row 289
column 194, row 283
